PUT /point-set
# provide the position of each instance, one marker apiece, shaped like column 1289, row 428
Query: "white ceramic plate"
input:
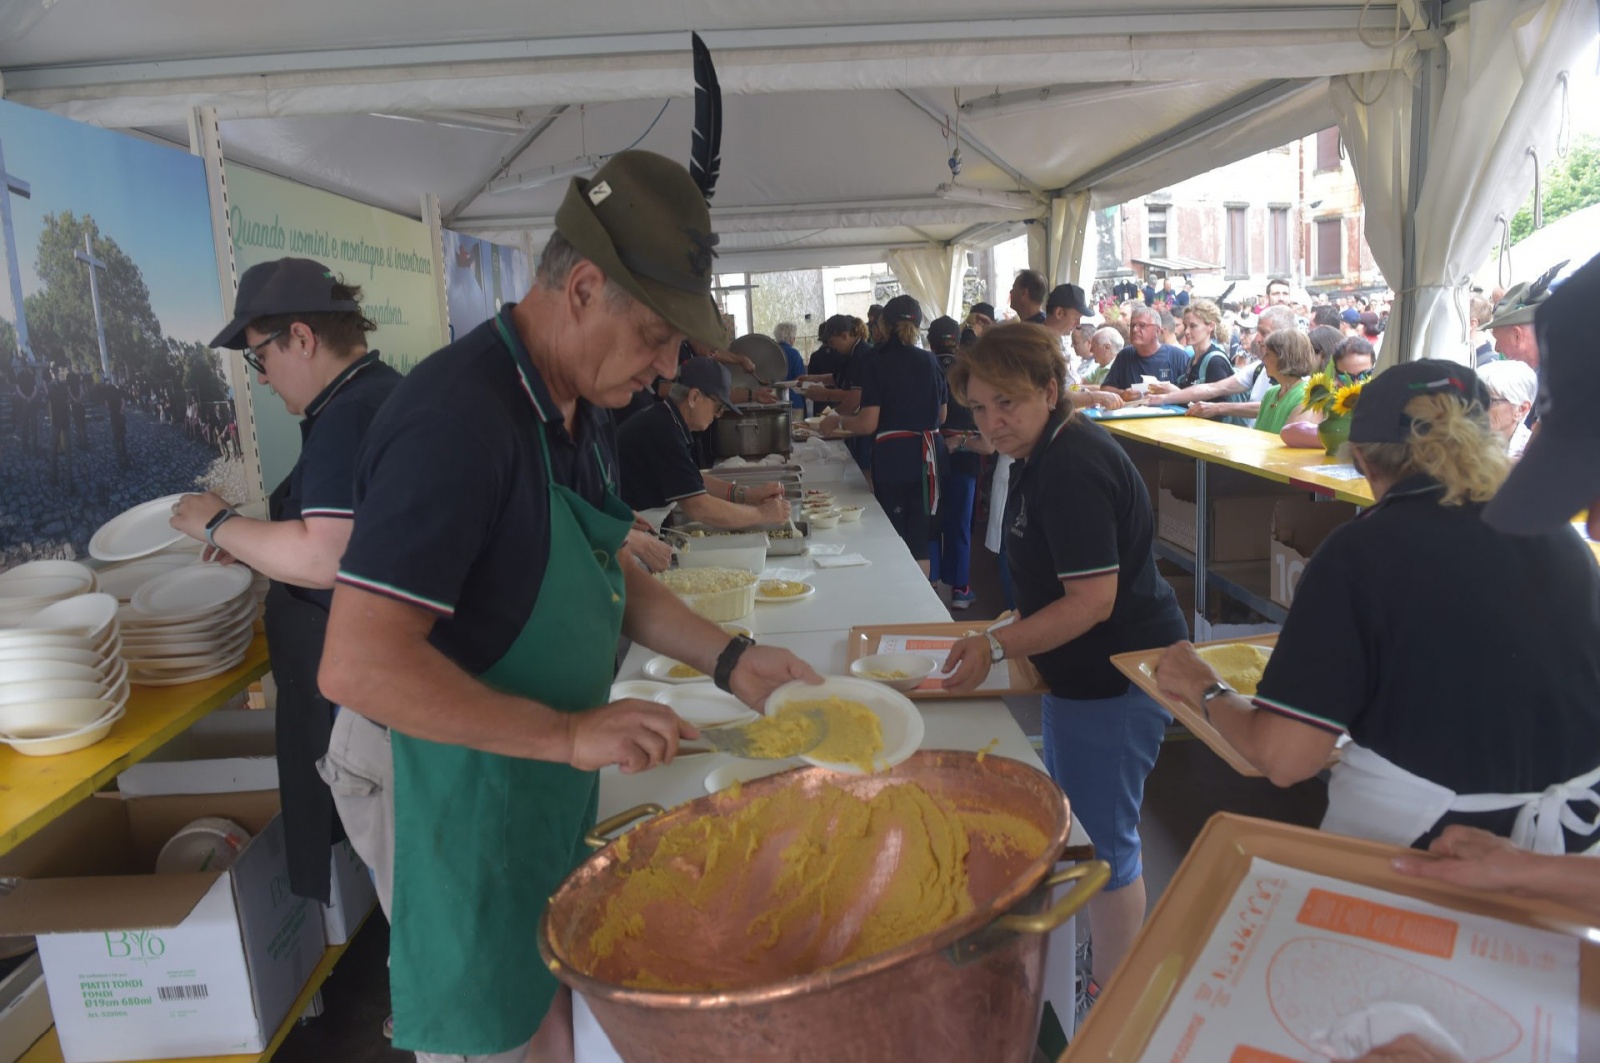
column 202, row 658
column 142, row 530
column 213, row 632
column 660, row 669
column 784, row 599
column 120, row 581
column 137, row 624
column 901, row 722
column 725, row 775
column 49, row 719
column 706, row 706
column 91, row 614
column 192, row 591
column 65, row 654
column 49, row 567
column 642, row 689
column 67, row 743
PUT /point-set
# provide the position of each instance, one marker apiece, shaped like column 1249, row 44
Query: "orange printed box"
column 1426, row 934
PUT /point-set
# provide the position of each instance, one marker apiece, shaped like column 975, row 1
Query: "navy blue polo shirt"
column 321, row 484
column 958, row 418
column 1167, row 363
column 452, row 513
column 1464, row 655
column 1078, row 508
column 824, row 361
column 908, row 387
column 656, row 452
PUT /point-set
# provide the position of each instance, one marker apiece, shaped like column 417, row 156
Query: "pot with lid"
column 967, row 987
column 753, row 431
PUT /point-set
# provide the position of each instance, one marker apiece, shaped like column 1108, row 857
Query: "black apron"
column 295, row 632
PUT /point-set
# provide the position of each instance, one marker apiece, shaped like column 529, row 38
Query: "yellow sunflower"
column 1319, row 391
column 1344, row 401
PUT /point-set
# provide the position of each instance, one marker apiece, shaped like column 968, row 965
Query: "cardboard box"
column 24, row 1009
column 352, row 893
column 1298, row 527
column 230, row 752
column 1240, row 521
column 140, row 965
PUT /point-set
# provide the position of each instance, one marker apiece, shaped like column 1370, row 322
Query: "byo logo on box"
column 139, row 945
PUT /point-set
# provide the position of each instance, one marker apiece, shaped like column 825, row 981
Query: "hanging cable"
column 1564, row 130
column 1538, row 190
column 1503, row 262
column 640, row 138
column 1402, row 34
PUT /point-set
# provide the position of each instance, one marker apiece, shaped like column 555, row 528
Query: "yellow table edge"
column 48, row 1050
column 155, row 716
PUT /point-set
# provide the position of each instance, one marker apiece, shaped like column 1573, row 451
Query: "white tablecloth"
column 892, row 589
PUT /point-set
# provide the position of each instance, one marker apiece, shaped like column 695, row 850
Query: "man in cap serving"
column 479, row 603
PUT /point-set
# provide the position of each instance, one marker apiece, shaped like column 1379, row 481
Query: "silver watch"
column 997, row 652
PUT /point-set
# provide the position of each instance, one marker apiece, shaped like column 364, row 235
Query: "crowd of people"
column 474, row 535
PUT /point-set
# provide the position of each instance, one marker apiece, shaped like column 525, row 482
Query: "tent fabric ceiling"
column 838, row 112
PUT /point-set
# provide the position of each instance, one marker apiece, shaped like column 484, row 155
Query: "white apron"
column 999, row 488
column 1371, row 797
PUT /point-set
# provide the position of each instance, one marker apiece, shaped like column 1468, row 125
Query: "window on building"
column 1157, row 232
column 1330, row 247
column 1278, row 248
column 1328, row 153
column 1236, row 261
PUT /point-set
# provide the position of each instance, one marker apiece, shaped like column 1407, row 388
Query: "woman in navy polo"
column 903, row 397
column 1080, row 545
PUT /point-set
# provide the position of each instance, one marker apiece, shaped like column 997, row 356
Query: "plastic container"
column 210, row 843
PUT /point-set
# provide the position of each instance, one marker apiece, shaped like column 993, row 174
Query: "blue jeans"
column 950, row 551
column 1099, row 752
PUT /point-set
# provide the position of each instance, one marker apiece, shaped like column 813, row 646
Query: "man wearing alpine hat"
column 1559, row 473
column 479, row 604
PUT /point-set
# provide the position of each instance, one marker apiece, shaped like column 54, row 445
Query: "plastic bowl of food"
column 848, row 514
column 823, row 518
column 49, row 719
column 70, row 742
column 898, row 720
column 900, row 671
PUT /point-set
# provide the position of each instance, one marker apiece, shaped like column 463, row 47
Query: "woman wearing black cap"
column 840, row 376
column 1426, row 637
column 903, row 397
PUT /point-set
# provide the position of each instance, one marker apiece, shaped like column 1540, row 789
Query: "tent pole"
column 1429, row 77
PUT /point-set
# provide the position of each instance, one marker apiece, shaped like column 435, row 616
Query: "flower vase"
column 1334, row 432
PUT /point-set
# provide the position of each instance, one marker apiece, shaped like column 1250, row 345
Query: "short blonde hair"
column 1208, row 311
column 1018, row 360
column 1450, row 442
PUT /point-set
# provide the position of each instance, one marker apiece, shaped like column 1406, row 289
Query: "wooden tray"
column 863, row 642
column 1123, row 1019
column 1139, row 666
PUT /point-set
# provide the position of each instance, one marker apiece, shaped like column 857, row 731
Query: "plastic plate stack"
column 29, row 587
column 63, row 682
column 189, row 623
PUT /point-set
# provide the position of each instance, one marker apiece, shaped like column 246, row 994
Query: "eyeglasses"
column 252, row 354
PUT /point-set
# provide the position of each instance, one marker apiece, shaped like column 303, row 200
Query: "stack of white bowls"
column 189, row 623
column 31, row 586
column 63, row 682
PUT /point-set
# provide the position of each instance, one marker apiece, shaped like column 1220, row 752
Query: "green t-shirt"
column 1097, row 374
column 1277, row 406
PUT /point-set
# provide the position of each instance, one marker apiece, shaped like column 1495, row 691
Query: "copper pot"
column 969, row 990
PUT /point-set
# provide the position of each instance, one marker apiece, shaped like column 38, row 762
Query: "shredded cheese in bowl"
column 706, row 580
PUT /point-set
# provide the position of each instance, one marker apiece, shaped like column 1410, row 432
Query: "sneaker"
column 962, row 598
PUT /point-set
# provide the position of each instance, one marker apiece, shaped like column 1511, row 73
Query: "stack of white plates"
column 123, row 580
column 63, row 682
column 189, row 623
column 31, row 586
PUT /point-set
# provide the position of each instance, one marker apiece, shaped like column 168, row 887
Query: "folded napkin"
column 841, row 561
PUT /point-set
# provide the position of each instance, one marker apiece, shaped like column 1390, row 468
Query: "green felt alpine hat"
column 643, row 221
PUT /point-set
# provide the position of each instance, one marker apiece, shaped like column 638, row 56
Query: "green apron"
column 482, row 840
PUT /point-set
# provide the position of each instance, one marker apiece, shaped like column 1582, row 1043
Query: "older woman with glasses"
column 1512, row 388
column 1079, row 541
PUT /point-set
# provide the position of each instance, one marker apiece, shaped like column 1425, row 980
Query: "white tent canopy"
column 840, row 114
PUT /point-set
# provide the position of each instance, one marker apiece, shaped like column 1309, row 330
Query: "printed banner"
column 109, row 396
column 386, row 254
column 481, row 277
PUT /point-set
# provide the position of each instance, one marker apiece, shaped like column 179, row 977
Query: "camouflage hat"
column 643, row 221
column 1521, row 303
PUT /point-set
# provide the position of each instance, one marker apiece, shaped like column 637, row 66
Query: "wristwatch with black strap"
column 728, row 659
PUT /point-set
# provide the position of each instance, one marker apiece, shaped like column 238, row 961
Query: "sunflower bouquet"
column 1332, row 394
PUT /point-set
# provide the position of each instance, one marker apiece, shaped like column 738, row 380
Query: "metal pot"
column 969, row 990
column 754, row 432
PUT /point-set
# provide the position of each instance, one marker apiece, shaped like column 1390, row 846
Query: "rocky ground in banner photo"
column 47, row 517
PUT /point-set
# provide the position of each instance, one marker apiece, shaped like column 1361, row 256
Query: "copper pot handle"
column 596, row 838
column 1090, row 877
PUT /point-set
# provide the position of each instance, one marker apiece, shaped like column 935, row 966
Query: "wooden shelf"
column 35, row 790
column 48, row 1050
